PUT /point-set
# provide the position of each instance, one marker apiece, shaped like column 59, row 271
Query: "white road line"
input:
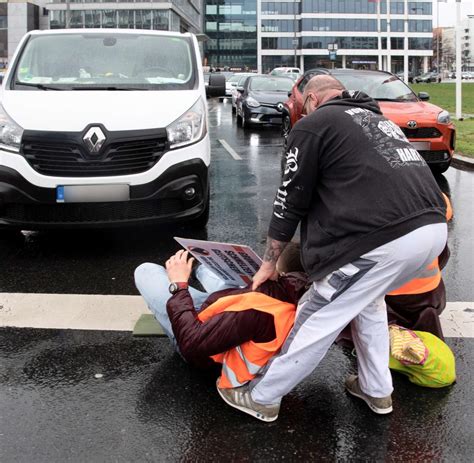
column 230, row 150
column 120, row 313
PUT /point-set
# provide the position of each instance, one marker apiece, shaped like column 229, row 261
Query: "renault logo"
column 280, row 107
column 94, row 139
column 411, row 124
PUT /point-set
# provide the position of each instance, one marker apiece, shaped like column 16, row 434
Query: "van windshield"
column 104, row 61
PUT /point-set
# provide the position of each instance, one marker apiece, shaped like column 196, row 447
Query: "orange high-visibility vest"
column 430, row 278
column 242, row 363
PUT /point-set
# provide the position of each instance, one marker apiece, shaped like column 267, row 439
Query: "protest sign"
column 233, row 263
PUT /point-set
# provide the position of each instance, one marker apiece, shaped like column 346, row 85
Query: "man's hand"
column 179, row 267
column 267, row 270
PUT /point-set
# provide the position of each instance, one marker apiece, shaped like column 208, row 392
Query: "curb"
column 462, row 162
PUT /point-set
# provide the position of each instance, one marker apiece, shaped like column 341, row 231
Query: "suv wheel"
column 440, row 168
column 286, row 126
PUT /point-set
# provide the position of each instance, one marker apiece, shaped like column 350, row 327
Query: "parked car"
column 427, row 78
column 71, row 154
column 427, row 127
column 292, row 73
column 233, row 81
column 235, row 93
column 401, row 75
column 261, row 100
column 467, row 75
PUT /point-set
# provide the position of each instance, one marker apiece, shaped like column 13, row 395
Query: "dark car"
column 261, row 100
column 427, row 127
column 427, row 78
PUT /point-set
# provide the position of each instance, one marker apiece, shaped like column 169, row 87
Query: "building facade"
column 467, row 48
column 168, row 15
column 315, row 33
column 17, row 17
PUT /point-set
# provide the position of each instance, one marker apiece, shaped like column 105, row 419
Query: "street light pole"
column 458, row 61
column 389, row 39
column 405, row 45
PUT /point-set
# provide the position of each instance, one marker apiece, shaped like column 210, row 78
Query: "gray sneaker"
column 240, row 398
column 382, row 405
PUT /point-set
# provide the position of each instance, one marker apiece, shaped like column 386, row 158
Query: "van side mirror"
column 216, row 85
column 423, row 96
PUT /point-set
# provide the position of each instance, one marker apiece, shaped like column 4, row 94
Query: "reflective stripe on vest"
column 428, row 280
column 430, row 277
column 242, row 363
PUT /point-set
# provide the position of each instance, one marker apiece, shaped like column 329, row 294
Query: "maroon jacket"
column 197, row 341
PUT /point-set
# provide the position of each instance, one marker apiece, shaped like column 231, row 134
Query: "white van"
column 103, row 127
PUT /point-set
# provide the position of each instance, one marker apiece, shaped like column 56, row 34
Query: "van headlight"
column 189, row 128
column 444, row 117
column 10, row 133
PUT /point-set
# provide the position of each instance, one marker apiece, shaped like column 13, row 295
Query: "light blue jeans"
column 152, row 282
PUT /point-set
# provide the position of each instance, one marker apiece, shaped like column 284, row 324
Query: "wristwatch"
column 175, row 287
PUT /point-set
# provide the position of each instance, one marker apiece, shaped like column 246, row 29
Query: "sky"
column 447, row 12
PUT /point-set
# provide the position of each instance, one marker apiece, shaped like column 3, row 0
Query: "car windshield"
column 271, row 84
column 381, row 86
column 106, row 61
column 234, row 79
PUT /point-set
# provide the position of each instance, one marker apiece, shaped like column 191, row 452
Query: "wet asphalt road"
column 96, row 262
column 150, row 406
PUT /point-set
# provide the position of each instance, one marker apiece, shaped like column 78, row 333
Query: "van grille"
column 72, row 160
column 93, row 212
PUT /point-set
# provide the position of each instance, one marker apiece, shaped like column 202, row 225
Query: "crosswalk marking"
column 120, row 313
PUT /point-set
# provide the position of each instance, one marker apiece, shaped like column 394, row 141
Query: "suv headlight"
column 10, row 133
column 444, row 117
column 189, row 128
column 252, row 102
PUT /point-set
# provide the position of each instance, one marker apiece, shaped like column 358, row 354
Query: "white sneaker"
column 240, row 398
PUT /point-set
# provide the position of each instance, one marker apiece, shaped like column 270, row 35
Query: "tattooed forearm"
column 273, row 250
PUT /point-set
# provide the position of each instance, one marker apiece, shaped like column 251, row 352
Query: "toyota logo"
column 94, row 139
column 280, row 107
column 411, row 124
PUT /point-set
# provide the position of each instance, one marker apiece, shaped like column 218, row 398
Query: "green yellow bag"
column 437, row 368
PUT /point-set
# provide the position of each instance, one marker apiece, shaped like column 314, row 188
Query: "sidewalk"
column 463, row 162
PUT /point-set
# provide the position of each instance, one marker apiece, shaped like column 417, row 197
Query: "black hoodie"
column 354, row 181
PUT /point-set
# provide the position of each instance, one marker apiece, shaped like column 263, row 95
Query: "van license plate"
column 421, row 145
column 92, row 193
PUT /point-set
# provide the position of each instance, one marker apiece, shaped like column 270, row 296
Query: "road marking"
column 120, row 313
column 230, row 150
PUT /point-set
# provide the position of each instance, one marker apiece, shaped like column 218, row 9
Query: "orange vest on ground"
column 242, row 363
column 430, row 278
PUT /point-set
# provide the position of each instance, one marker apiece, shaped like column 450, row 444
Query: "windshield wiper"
column 106, row 87
column 38, row 86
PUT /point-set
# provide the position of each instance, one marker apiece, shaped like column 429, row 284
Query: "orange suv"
column 427, row 127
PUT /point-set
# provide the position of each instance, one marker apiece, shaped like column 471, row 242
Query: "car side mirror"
column 423, row 96
column 216, row 85
column 240, row 89
column 289, row 94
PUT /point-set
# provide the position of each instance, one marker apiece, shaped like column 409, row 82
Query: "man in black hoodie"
column 372, row 218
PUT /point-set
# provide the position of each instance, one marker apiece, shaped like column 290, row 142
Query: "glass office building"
column 263, row 34
column 345, row 33
column 231, row 27
column 168, row 15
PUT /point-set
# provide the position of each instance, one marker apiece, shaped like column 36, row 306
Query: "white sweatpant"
column 353, row 294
